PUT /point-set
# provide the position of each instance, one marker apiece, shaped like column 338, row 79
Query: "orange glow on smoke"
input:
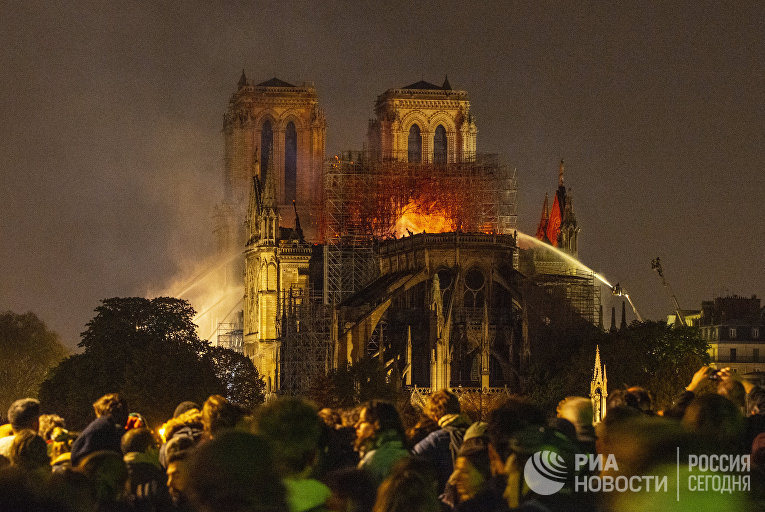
column 416, row 218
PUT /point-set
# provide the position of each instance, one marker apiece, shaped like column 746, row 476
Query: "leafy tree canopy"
column 347, row 387
column 654, row 355
column 148, row 350
column 28, row 351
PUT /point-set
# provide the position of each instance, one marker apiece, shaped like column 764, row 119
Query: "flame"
column 416, row 218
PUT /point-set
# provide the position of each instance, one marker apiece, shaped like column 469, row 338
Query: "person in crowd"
column 60, row 449
column 717, row 424
column 379, row 429
column 5, row 429
column 30, row 453
column 472, row 470
column 508, row 423
column 578, row 411
column 235, row 472
column 178, row 452
column 353, row 490
column 410, row 487
column 105, row 432
column 218, row 414
column 47, row 424
column 292, row 428
column 643, row 399
column 147, row 481
column 71, row 491
column 107, row 475
column 424, row 426
column 335, row 444
column 187, row 405
column 363, row 434
column 187, row 423
column 23, row 414
column 441, row 446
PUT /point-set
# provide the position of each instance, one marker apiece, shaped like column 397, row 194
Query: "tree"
column 239, row 377
column 653, row 355
column 347, row 387
column 28, row 351
column 148, row 351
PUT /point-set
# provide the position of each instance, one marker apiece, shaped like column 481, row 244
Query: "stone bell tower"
column 423, row 123
column 279, row 120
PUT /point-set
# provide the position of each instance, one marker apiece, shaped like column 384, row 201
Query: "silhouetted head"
column 509, row 419
column 292, row 427
column 24, row 414
column 235, row 472
column 219, row 414
column 383, row 416
column 441, row 403
column 137, row 440
column 113, row 406
column 29, row 451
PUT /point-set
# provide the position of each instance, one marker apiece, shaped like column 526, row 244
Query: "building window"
column 733, row 355
column 439, row 146
column 756, row 355
column 266, row 146
column 732, row 333
column 290, row 162
column 755, row 333
column 414, row 146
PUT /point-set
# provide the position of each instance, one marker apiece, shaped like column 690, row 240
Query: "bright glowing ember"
column 416, row 218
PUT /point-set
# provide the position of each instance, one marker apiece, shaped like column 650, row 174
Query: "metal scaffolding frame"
column 577, row 288
column 306, row 350
column 364, row 198
column 230, row 336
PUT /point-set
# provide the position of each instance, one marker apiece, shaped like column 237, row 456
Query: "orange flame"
column 416, row 218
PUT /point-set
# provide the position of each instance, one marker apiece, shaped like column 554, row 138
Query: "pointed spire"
column 560, row 174
column 253, row 212
column 623, row 325
column 242, row 79
column 542, row 228
column 613, row 318
column 298, row 229
column 447, row 86
column 600, row 317
column 596, row 370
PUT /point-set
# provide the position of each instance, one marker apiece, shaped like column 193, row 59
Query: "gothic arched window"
column 439, row 145
column 266, row 145
column 415, row 145
column 290, row 162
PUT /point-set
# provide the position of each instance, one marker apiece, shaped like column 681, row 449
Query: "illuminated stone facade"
column 276, row 268
column 423, row 123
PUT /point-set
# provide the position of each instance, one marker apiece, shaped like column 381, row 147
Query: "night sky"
column 112, row 152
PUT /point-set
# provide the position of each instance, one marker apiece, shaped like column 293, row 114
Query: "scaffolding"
column 364, row 199
column 577, row 288
column 306, row 350
column 230, row 336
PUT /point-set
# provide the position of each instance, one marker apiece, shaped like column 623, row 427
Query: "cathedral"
column 405, row 251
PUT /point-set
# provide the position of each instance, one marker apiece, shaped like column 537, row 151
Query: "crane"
column 656, row 265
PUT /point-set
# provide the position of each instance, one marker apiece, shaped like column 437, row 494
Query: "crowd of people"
column 290, row 456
